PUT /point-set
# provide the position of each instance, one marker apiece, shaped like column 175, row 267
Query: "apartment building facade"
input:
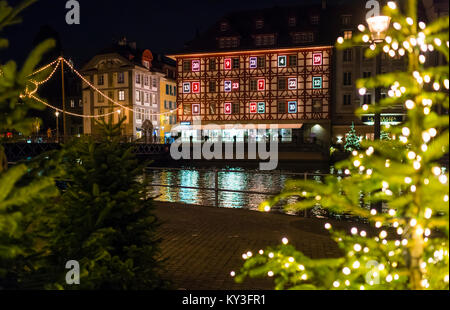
column 125, row 75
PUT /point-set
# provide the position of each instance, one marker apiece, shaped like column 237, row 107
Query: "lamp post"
column 57, row 127
column 378, row 26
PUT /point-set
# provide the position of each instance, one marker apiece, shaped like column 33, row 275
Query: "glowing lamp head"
column 378, row 26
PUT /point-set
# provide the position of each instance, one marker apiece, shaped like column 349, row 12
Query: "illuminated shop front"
column 284, row 133
column 366, row 129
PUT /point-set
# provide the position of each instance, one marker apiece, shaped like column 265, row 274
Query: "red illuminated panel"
column 196, row 87
column 196, row 65
column 317, row 59
column 235, row 85
column 261, row 84
column 227, row 108
column 227, row 64
column 253, row 108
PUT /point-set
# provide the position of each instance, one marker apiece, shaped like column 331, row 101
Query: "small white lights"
column 408, row 180
column 436, row 86
column 413, row 189
column 437, row 41
column 361, row 27
column 357, row 248
column 417, row 165
column 354, row 231
column 413, row 223
column 378, row 224
column 271, row 255
column 383, row 235
column 422, row 59
column 443, row 179
column 397, row 26
column 270, row 274
column 392, row 5
column 422, row 25
column 410, row 104
column 232, row 274
column 340, row 40
column 412, row 155
column 356, row 265
column 291, row 259
column 409, row 21
column 433, row 132
column 336, row 284
column 389, row 278
column 392, row 212
column 365, row 38
column 426, row 137
column 285, row 241
column 400, row 231
column 437, row 171
column 363, row 234
column 362, row 91
column 327, row 226
column 373, row 212
column 346, row 271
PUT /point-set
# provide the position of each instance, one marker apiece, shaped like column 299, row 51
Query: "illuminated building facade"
column 271, row 69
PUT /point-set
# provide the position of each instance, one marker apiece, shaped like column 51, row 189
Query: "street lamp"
column 378, row 26
column 57, row 126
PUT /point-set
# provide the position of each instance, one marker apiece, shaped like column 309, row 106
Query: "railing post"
column 216, row 187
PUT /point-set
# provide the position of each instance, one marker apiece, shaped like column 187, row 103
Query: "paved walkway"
column 202, row 244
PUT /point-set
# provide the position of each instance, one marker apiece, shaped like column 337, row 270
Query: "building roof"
column 276, row 20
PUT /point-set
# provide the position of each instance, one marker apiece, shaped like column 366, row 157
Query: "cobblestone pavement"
column 202, row 245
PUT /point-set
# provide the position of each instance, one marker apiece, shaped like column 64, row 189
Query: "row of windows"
column 171, row 90
column 146, row 80
column 143, row 114
column 120, row 78
column 347, row 99
column 169, row 105
column 259, row 23
column 254, row 62
column 283, row 107
column 146, row 97
column 283, row 83
column 170, row 120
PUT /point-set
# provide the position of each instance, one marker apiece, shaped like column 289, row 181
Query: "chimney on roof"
column 324, row 4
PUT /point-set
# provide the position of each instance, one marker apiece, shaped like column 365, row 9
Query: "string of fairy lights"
column 56, row 63
column 404, row 228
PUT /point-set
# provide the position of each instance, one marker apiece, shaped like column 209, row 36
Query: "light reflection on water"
column 239, row 181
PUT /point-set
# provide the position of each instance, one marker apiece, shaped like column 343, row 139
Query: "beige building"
column 124, row 74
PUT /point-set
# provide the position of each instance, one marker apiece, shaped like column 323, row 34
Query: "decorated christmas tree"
column 406, row 247
column 105, row 219
column 352, row 141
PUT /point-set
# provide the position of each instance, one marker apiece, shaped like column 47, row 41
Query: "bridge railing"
column 217, row 189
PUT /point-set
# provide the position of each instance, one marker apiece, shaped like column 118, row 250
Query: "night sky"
column 162, row 26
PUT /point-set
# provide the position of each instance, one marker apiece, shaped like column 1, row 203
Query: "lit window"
column 121, row 95
column 348, row 34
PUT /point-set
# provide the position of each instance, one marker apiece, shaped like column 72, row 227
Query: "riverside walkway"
column 202, row 245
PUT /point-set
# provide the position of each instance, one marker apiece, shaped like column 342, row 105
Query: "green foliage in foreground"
column 105, row 219
column 22, row 195
column 410, row 247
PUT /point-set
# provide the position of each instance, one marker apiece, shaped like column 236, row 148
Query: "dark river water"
column 236, row 179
